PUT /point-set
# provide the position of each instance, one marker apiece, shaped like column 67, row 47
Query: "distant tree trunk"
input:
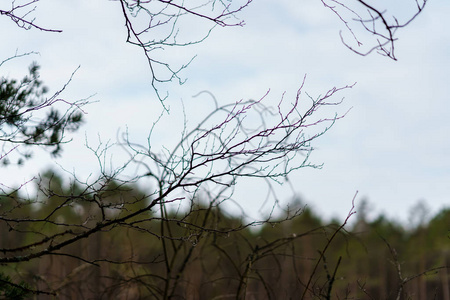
column 94, row 248
column 422, row 281
column 306, row 265
column 422, row 267
column 383, row 273
column 445, row 278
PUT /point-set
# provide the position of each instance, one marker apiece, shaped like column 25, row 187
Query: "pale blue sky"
column 393, row 146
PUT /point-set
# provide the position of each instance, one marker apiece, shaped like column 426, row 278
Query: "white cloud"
column 392, row 147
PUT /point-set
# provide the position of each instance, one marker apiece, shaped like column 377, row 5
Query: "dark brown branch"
column 19, row 17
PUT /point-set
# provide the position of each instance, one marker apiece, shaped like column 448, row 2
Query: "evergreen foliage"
column 9, row 291
column 28, row 117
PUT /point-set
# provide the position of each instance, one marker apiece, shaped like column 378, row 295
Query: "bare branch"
column 382, row 27
column 155, row 26
column 19, row 14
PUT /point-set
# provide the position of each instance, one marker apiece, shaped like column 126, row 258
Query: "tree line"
column 203, row 252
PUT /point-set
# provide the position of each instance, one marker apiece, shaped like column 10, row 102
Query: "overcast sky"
column 393, row 146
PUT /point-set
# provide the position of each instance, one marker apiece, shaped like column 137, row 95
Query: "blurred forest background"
column 205, row 253
column 152, row 219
